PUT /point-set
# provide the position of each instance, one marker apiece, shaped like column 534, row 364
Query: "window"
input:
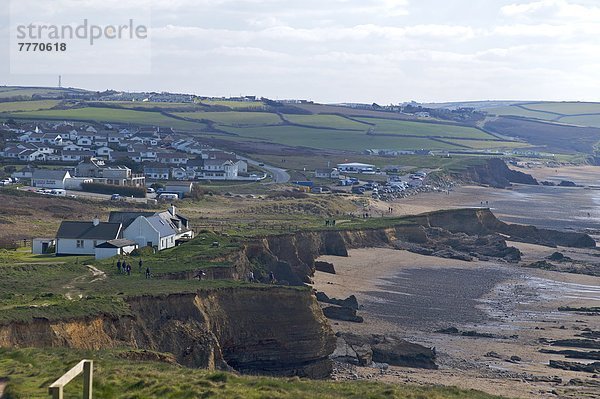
column 80, row 243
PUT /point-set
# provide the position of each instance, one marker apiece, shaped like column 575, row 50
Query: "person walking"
column 140, row 266
column 147, row 273
column 272, row 277
column 251, row 276
column 128, row 269
column 119, row 266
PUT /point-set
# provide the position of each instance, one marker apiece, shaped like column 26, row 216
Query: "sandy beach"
column 412, row 296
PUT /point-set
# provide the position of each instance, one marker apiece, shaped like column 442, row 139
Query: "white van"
column 168, row 197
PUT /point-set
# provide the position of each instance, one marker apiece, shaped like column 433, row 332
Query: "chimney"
column 96, row 221
column 172, row 210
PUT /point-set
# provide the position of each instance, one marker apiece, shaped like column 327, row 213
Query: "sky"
column 384, row 51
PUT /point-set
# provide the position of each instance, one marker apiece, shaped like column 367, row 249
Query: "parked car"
column 115, row 197
column 150, row 190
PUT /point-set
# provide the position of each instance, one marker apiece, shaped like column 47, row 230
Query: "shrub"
column 99, row 188
column 7, row 243
column 144, row 251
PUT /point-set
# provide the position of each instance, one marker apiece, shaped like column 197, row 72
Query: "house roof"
column 117, row 243
column 126, row 218
column 50, row 174
column 164, row 227
column 87, row 230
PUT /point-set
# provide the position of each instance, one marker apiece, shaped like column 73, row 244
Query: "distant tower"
column 59, row 81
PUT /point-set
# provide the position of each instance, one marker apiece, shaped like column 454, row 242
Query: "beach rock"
column 574, row 366
column 343, row 352
column 547, row 183
column 342, row 313
column 567, row 183
column 494, row 355
column 557, row 256
column 394, row 351
column 325, row 267
column 515, row 358
column 576, row 343
column 350, row 302
column 364, row 354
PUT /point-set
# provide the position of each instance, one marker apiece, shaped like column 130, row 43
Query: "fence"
column 86, row 367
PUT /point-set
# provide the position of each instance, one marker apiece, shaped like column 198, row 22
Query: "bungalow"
column 32, row 155
column 172, row 158
column 157, row 171
column 327, row 173
column 76, row 156
column 81, row 238
column 104, row 151
column 46, row 178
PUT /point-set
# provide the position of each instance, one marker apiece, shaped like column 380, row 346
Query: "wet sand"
column 412, row 295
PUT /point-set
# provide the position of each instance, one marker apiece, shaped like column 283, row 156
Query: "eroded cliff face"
column 274, row 331
column 471, row 232
column 495, row 173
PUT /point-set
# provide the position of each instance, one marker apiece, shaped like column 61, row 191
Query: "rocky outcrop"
column 383, row 349
column 463, row 234
column 574, row 366
column 342, row 313
column 275, row 331
column 494, row 172
column 350, row 302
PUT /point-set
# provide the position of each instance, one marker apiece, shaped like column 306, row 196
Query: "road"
column 93, row 196
column 279, row 175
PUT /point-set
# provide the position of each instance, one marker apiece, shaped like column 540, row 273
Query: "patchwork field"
column 111, row 115
column 345, row 140
column 235, row 104
column 235, row 118
column 576, row 113
column 327, row 121
column 400, row 128
column 16, row 106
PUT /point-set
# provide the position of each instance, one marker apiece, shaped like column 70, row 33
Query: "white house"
column 151, row 231
column 116, row 247
column 81, row 238
column 327, row 173
column 46, row 178
column 160, row 230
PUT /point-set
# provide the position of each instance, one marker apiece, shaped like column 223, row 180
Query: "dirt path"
column 75, row 293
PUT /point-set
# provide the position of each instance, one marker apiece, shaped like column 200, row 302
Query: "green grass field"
column 585, row 120
column 112, row 115
column 328, row 121
column 235, row 118
column 31, row 371
column 518, row 111
column 398, row 127
column 235, row 104
column 141, row 104
column 28, row 92
column 566, row 108
column 348, row 140
column 16, row 106
column 484, row 145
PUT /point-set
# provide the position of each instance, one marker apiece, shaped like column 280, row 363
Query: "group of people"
column 330, row 222
column 124, row 267
column 251, row 278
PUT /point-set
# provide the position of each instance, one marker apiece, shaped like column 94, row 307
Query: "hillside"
column 257, row 123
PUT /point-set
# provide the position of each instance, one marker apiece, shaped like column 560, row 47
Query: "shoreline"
column 520, row 301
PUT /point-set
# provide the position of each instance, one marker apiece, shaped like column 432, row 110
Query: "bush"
column 99, row 188
column 7, row 243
